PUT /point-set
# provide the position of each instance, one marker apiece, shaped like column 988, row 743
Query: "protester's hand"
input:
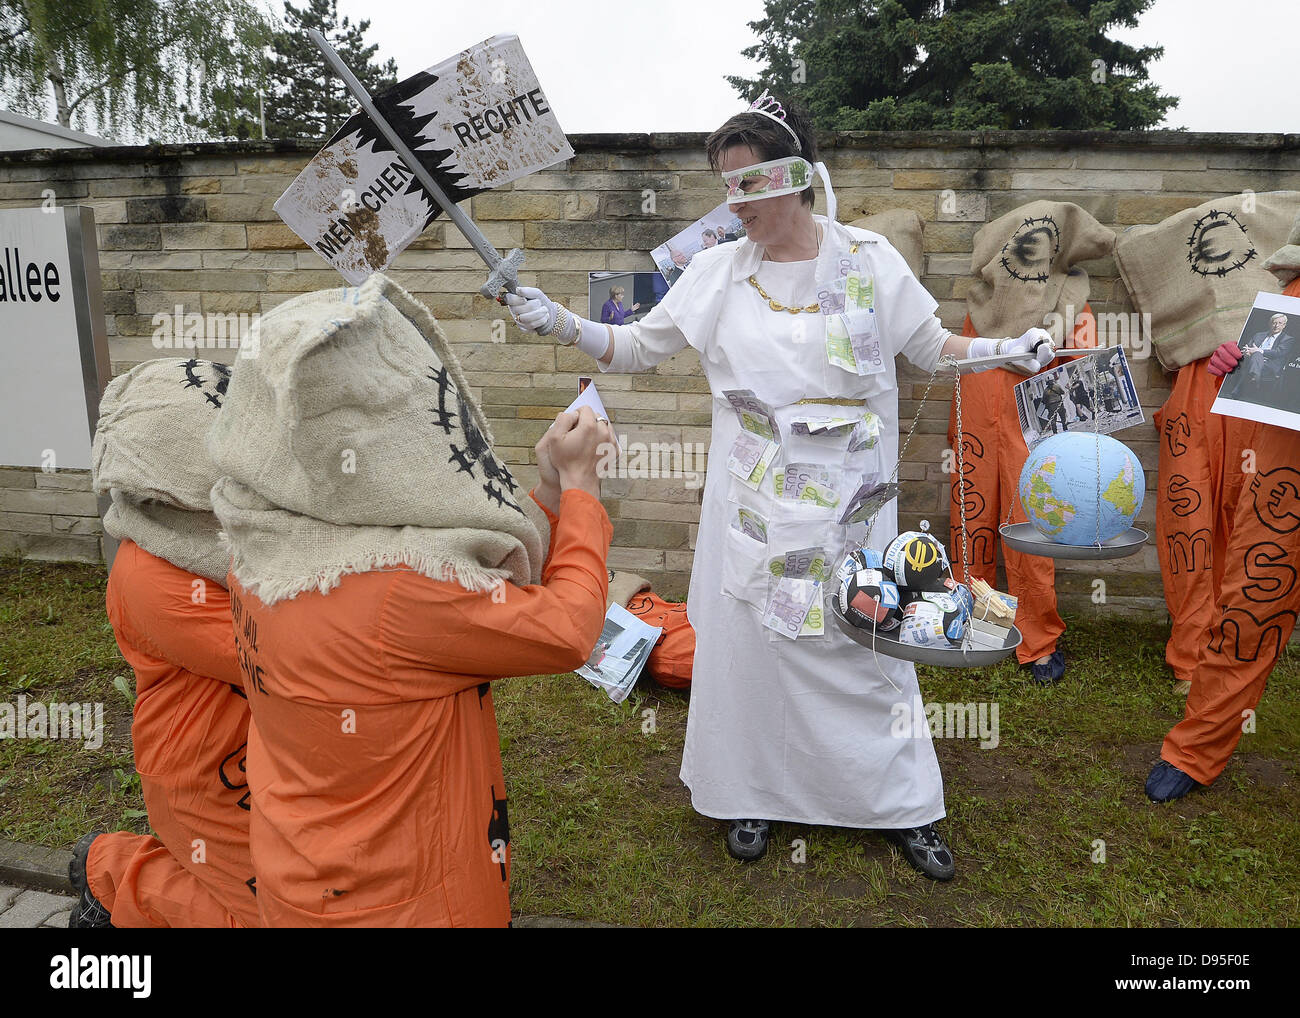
column 548, row 478
column 577, row 444
column 1038, row 347
column 532, row 310
column 1224, row 359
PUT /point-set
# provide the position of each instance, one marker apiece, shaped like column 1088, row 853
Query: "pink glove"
column 1224, row 359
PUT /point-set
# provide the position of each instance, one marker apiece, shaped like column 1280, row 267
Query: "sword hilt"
column 505, row 276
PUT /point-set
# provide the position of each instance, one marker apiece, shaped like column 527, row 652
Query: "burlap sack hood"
column 903, row 229
column 351, row 443
column 1284, row 263
column 1197, row 273
column 1027, row 263
column 149, row 455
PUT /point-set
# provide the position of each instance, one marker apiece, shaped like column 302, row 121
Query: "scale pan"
column 939, row 657
column 1022, row 537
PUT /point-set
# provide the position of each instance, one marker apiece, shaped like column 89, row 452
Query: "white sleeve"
column 924, row 346
column 642, row 345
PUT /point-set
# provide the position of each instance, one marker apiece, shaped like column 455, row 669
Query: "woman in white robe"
column 803, row 730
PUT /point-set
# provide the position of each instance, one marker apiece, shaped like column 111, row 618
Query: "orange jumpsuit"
column 995, row 454
column 189, row 731
column 374, row 761
column 1257, row 604
column 1200, row 478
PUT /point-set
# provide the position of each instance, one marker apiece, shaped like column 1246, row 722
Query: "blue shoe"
column 1166, row 783
column 1052, row 672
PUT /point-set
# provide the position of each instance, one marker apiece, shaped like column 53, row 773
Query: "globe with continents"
column 1068, row 501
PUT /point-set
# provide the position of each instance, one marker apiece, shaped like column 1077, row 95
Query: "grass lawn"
column 602, row 828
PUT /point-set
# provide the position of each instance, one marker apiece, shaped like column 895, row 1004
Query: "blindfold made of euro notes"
column 773, row 178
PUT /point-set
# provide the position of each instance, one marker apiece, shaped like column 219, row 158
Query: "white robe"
column 798, row 730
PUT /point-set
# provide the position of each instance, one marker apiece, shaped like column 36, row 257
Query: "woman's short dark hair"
column 766, row 137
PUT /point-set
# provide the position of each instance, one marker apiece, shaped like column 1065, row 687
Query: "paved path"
column 28, row 910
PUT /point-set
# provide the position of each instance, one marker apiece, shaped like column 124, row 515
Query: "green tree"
column 130, row 68
column 305, row 99
column 966, row 65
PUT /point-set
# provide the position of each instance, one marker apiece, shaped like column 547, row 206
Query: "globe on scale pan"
column 1078, row 488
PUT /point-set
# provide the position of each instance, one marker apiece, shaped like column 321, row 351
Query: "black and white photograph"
column 1265, row 384
column 1091, row 392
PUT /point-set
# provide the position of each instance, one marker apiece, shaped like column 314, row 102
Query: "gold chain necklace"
column 777, row 305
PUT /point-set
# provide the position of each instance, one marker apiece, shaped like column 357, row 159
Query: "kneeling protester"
column 385, row 570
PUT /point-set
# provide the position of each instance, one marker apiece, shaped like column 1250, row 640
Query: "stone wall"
column 193, row 226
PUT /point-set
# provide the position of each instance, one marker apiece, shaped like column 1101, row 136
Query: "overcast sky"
column 660, row 66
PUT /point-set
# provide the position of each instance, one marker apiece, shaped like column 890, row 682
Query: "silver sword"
column 996, row 360
column 505, row 271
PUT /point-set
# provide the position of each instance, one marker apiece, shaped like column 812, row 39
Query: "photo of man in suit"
column 1265, row 355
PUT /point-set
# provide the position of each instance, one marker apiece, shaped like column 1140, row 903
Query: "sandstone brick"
column 134, row 188
column 17, row 477
column 36, row 190
column 1099, row 204
column 130, row 238
column 205, row 279
column 236, row 302
column 48, row 500
column 635, row 559
column 575, row 235
column 262, row 236
column 1112, row 180
column 174, row 260
column 78, row 526
column 1139, row 159
column 650, row 534
column 676, row 512
column 950, row 237
column 504, row 357
column 149, row 302
column 201, row 185
column 1227, row 181
column 204, row 236
column 63, row 480
column 272, row 260
column 501, row 234
column 25, row 523
column 170, row 208
column 108, row 211
column 976, row 179
column 241, row 208
column 1153, row 208
column 966, row 206
column 517, row 205
column 51, row 547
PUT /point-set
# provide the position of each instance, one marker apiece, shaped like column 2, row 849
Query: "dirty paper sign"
column 475, row 121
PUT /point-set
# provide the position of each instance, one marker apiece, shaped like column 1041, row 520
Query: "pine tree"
column 130, row 68
column 305, row 99
column 958, row 65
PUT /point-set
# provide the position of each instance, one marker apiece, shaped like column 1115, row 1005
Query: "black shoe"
column 924, row 848
column 1166, row 783
column 1052, row 672
column 747, row 839
column 88, row 914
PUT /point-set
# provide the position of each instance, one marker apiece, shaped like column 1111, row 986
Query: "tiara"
column 767, row 106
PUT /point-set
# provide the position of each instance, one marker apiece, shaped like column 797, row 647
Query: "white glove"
column 1036, row 345
column 533, row 311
